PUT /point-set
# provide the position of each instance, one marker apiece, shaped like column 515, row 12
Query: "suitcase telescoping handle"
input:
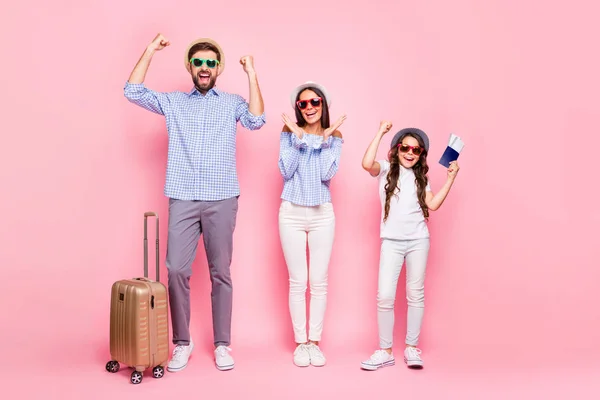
column 146, row 215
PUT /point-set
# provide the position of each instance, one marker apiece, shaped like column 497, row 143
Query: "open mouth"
column 409, row 158
column 204, row 77
column 310, row 114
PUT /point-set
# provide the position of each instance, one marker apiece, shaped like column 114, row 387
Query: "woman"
column 309, row 158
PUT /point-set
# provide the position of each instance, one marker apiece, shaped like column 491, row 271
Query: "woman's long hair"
column 420, row 169
column 324, row 109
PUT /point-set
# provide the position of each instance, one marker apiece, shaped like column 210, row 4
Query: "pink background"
column 512, row 297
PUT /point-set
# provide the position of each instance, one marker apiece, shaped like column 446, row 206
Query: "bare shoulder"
column 285, row 129
column 337, row 134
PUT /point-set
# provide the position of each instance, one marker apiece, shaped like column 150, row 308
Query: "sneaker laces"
column 413, row 352
column 179, row 351
column 301, row 347
column 378, row 355
column 222, row 351
column 314, row 350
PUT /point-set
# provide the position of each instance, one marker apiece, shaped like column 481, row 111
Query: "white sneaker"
column 181, row 355
column 302, row 356
column 379, row 359
column 412, row 358
column 316, row 355
column 223, row 359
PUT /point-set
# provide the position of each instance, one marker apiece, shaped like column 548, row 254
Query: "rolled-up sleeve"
column 140, row 95
column 246, row 118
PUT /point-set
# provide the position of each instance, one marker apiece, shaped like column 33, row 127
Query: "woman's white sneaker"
column 302, row 356
column 316, row 355
column 379, row 359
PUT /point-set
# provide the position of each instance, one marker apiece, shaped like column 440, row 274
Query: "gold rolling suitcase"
column 139, row 322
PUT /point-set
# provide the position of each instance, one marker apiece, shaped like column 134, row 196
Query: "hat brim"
column 306, row 85
column 415, row 131
column 186, row 60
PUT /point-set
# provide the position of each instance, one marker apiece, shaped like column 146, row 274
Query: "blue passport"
column 455, row 146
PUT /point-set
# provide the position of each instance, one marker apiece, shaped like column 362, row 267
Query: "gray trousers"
column 215, row 221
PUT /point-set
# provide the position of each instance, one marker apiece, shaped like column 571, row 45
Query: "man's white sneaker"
column 181, row 355
column 223, row 359
column 379, row 359
column 316, row 355
column 412, row 358
column 302, row 356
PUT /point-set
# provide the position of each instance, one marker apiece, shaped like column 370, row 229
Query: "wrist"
column 298, row 142
column 150, row 50
column 251, row 74
column 300, row 134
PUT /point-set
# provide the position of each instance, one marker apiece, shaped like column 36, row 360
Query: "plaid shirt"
column 307, row 166
column 202, row 139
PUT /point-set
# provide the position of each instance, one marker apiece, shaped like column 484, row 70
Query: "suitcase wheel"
column 112, row 366
column 158, row 371
column 136, row 377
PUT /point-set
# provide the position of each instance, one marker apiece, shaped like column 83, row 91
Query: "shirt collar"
column 403, row 169
column 195, row 91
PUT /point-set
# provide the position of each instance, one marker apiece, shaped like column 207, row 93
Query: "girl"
column 406, row 199
column 309, row 158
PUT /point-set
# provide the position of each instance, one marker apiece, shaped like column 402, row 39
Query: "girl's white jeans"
column 392, row 256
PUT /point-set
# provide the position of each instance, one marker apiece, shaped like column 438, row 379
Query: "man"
column 201, row 182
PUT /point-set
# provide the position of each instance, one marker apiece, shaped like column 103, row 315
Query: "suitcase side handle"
column 146, row 215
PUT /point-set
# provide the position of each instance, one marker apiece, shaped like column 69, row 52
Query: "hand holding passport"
column 455, row 146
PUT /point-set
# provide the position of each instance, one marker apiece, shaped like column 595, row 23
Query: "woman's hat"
column 305, row 85
column 186, row 60
column 415, row 131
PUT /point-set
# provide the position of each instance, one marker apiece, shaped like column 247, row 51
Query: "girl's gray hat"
column 415, row 131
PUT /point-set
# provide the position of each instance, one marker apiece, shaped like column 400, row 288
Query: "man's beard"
column 204, row 87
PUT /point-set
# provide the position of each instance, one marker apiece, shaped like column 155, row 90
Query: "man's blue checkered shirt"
column 307, row 166
column 202, row 130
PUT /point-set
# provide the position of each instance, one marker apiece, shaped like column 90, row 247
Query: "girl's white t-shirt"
column 405, row 220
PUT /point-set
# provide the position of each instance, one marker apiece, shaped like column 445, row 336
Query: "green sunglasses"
column 210, row 63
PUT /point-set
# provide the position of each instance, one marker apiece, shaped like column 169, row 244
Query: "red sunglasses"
column 404, row 148
column 315, row 102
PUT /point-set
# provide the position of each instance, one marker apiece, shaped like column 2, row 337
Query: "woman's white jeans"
column 297, row 225
column 392, row 257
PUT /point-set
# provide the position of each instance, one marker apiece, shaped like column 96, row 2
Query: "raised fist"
column 384, row 127
column 159, row 43
column 248, row 63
